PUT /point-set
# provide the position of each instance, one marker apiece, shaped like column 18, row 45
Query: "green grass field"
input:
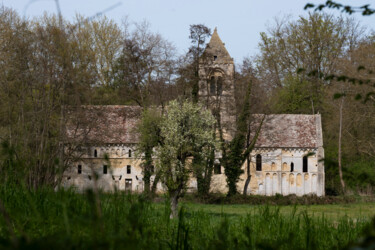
column 334, row 212
column 65, row 220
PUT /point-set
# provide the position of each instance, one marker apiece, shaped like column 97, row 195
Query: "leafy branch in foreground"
column 344, row 78
column 365, row 9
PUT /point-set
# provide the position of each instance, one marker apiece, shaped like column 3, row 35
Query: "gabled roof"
column 117, row 124
column 288, row 131
column 104, row 124
column 216, row 48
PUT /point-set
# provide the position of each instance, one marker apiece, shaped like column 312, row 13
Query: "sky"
column 239, row 22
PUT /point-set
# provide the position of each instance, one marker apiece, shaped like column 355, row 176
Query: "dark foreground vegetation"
column 46, row 219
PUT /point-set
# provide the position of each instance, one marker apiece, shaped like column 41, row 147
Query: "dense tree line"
column 47, row 66
column 336, row 81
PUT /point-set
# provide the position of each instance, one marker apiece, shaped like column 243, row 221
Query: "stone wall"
column 275, row 177
column 117, row 160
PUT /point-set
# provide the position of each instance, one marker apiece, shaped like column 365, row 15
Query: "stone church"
column 287, row 158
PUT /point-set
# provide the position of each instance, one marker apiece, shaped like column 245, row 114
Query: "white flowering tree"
column 186, row 130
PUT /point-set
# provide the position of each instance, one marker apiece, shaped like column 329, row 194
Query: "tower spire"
column 217, row 49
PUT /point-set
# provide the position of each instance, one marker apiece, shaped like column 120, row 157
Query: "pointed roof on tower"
column 216, row 49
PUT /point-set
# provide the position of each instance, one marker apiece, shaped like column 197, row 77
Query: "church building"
column 287, row 158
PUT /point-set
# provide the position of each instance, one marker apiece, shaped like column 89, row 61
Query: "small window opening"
column 152, row 169
column 95, row 153
column 128, row 169
column 215, row 58
column 291, row 167
column 105, row 169
column 130, row 153
column 305, row 165
column 258, row 162
column 217, row 169
column 212, row 86
column 79, row 169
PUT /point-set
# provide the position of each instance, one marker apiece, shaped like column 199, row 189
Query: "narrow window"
column 212, row 86
column 130, row 153
column 291, row 167
column 128, row 169
column 219, row 85
column 217, row 169
column 105, row 169
column 259, row 162
column 305, row 169
column 79, row 169
column 215, row 58
column 152, row 169
column 95, row 153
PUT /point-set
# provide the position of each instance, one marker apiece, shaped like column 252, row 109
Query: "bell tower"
column 216, row 83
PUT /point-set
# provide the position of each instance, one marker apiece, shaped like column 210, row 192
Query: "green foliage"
column 61, row 219
column 202, row 170
column 308, row 49
column 233, row 156
column 360, row 176
column 295, row 97
column 11, row 169
column 186, row 130
column 365, row 10
column 149, row 131
column 235, row 152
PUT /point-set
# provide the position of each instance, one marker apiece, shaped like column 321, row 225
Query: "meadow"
column 46, row 219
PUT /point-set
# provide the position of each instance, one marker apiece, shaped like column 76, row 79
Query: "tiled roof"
column 117, row 124
column 288, row 131
column 104, row 124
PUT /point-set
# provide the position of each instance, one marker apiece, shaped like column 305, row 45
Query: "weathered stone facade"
column 287, row 158
column 216, row 84
column 285, row 164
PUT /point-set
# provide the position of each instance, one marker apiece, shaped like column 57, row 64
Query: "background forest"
column 48, row 65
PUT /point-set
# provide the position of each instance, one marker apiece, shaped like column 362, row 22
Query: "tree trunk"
column 247, row 182
column 155, row 183
column 174, row 204
column 340, row 135
column 147, row 171
column 204, row 175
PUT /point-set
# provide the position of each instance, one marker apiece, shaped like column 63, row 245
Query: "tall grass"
column 67, row 220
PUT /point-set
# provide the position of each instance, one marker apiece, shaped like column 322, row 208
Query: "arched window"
column 219, row 85
column 259, row 162
column 304, row 164
column 291, row 167
column 130, row 153
column 95, row 153
column 212, row 85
